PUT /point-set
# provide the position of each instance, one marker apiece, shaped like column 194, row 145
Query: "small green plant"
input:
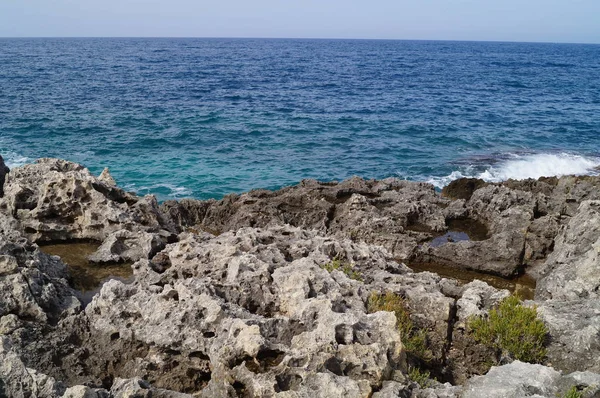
column 346, row 268
column 421, row 377
column 413, row 338
column 512, row 328
column 573, row 392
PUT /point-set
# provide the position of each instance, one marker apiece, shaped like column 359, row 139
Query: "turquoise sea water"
column 206, row 117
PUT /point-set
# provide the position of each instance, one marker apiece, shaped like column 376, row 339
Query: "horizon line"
column 296, row 38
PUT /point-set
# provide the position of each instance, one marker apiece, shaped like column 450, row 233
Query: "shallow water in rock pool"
column 523, row 285
column 86, row 277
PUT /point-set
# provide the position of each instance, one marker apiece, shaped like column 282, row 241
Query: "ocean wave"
column 13, row 159
column 161, row 190
column 520, row 167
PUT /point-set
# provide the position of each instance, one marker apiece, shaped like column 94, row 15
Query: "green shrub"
column 573, row 393
column 345, row 267
column 513, row 328
column 414, row 339
column 421, row 377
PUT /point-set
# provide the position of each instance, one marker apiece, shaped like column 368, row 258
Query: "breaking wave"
column 12, row 159
column 520, row 167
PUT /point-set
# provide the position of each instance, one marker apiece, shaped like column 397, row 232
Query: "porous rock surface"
column 55, row 200
column 240, row 297
column 519, row 219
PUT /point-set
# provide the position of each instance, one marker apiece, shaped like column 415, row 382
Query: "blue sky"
column 510, row 20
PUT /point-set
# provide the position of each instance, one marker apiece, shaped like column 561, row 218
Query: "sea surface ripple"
column 207, row 117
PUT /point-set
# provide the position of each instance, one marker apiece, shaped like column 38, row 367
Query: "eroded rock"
column 265, row 293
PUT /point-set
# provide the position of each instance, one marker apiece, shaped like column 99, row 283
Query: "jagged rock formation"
column 267, row 293
column 513, row 225
column 55, row 200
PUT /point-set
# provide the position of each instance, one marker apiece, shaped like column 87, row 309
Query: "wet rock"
column 186, row 213
column 462, row 188
column 507, row 214
column 521, row 218
column 397, row 219
column 393, row 213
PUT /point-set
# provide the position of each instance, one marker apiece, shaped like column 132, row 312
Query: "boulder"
column 462, row 188
column 56, row 200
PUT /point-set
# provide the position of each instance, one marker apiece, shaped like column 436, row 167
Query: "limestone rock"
column 127, row 246
column 19, row 381
column 462, row 188
column 59, row 200
column 519, row 379
column 32, row 284
column 106, row 178
column 573, row 270
column 393, row 213
column 265, row 293
column 85, row 392
column 574, row 328
column 477, row 299
column 444, row 391
column 465, row 356
column 251, row 305
column 515, row 380
column 137, row 387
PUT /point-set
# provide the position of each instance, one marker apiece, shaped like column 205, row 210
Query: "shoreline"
column 494, row 168
column 267, row 292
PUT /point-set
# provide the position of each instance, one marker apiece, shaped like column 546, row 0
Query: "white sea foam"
column 527, row 166
column 12, row 159
column 175, row 191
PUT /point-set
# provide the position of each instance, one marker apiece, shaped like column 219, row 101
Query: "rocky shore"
column 274, row 294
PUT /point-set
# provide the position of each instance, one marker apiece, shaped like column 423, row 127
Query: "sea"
column 203, row 118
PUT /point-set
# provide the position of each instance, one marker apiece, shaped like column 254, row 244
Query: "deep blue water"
column 206, row 117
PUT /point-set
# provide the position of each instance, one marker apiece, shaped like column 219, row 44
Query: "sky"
column 573, row 21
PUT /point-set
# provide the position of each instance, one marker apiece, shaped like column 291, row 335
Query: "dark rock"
column 3, row 172
column 462, row 188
